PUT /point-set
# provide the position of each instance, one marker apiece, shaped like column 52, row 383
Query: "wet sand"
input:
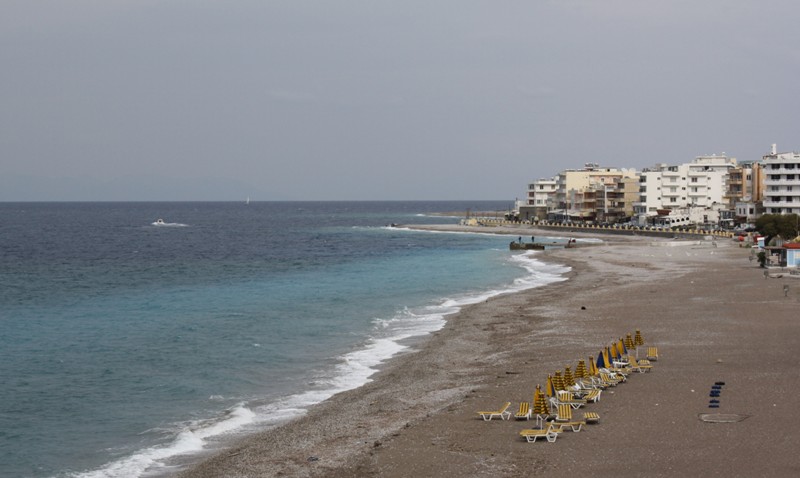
column 709, row 310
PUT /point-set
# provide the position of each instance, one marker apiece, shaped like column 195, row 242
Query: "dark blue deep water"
column 126, row 346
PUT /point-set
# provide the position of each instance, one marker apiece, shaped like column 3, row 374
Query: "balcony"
column 782, row 170
column 783, row 191
column 781, row 204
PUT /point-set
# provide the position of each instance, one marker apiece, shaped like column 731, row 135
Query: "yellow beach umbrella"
column 551, row 388
column 615, row 352
column 638, row 339
column 568, row 380
column 593, row 368
column 558, row 381
column 623, row 351
column 540, row 403
column 629, row 342
column 580, row 370
column 606, row 358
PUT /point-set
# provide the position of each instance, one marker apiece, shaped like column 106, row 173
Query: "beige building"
column 578, row 190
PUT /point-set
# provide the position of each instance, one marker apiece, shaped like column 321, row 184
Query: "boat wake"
column 161, row 223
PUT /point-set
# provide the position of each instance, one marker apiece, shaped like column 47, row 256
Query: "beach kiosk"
column 792, row 254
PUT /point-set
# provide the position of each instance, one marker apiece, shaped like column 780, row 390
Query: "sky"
column 191, row 100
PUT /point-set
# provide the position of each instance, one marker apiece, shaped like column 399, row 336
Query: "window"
column 694, row 180
column 673, row 199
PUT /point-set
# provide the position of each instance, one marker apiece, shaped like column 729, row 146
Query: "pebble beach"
column 711, row 312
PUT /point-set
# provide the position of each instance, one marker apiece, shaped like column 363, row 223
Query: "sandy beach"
column 710, row 311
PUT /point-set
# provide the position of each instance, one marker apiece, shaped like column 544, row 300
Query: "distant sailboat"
column 248, row 200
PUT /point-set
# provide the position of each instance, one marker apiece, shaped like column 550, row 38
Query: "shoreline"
column 422, row 403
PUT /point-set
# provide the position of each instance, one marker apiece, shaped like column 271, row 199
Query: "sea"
column 129, row 345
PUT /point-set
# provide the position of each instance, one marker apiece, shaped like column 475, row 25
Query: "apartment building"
column 781, row 182
column 703, row 183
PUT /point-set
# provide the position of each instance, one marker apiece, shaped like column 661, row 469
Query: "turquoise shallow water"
column 127, row 346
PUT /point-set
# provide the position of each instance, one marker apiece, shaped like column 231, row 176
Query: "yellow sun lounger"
column 652, row 353
column 568, row 398
column 591, row 417
column 593, row 396
column 640, row 366
column 574, row 426
column 564, row 413
column 524, row 411
column 550, row 433
column 502, row 413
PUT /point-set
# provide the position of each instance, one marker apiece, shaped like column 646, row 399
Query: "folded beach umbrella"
column 638, row 339
column 551, row 389
column 568, row 380
column 629, row 342
column 602, row 357
column 580, row 370
column 593, row 372
column 540, row 403
column 558, row 381
column 606, row 359
column 621, row 347
column 617, row 351
column 616, row 355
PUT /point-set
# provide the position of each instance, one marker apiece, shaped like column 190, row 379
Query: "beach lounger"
column 568, row 398
column 524, row 411
column 608, row 379
column 652, row 353
column 564, row 413
column 550, row 433
column 575, row 426
column 591, row 417
column 593, row 396
column 640, row 366
column 502, row 413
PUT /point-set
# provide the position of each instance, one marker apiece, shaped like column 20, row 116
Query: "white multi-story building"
column 781, row 182
column 541, row 192
column 539, row 200
column 699, row 184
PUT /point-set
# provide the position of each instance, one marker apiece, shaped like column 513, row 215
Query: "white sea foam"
column 191, row 439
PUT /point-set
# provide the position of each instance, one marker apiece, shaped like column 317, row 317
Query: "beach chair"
column 593, row 396
column 606, row 378
column 640, row 366
column 564, row 413
column 652, row 353
column 568, row 398
column 591, row 417
column 575, row 426
column 550, row 433
column 524, row 411
column 502, row 413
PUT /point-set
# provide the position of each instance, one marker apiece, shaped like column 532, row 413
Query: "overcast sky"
column 368, row 100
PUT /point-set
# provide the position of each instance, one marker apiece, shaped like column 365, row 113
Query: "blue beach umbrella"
column 601, row 362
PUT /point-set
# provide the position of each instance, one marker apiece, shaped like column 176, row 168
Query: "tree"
column 771, row 225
